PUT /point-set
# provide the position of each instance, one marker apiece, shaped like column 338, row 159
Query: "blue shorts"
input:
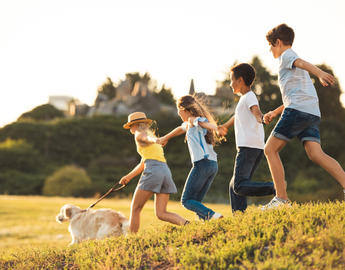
column 304, row 126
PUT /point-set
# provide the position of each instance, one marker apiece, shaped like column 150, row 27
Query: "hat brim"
column 128, row 124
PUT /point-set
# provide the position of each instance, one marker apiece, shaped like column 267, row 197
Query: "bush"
column 18, row 183
column 68, row 181
column 19, row 155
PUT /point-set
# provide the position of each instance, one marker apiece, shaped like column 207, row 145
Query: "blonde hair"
column 148, row 128
column 196, row 108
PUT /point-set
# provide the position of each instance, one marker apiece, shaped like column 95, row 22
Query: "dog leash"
column 114, row 188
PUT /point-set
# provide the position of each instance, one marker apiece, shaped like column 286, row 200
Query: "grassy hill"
column 308, row 236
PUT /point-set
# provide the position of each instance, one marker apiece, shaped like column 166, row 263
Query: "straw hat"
column 136, row 117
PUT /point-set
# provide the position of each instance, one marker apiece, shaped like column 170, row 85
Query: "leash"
column 114, row 188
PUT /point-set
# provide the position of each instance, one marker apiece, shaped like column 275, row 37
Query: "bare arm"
column 257, row 113
column 174, row 133
column 223, row 129
column 324, row 77
column 208, row 125
column 133, row 173
column 268, row 117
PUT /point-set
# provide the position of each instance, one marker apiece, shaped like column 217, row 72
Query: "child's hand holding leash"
column 124, row 180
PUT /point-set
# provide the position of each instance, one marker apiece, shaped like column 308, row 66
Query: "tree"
column 108, row 89
column 266, row 87
column 42, row 112
column 165, row 95
column 329, row 97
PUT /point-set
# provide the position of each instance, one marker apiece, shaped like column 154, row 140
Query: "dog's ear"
column 68, row 212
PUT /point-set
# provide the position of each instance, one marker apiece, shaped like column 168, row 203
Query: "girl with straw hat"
column 156, row 176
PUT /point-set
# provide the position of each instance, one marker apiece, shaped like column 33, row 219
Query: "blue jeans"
column 197, row 184
column 247, row 160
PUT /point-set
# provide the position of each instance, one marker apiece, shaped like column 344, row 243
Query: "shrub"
column 14, row 182
column 18, row 155
column 68, row 181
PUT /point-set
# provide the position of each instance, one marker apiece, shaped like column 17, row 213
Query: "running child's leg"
column 140, row 197
column 272, row 149
column 161, row 202
column 316, row 154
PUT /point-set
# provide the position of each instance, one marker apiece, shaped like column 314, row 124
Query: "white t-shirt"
column 248, row 132
column 298, row 91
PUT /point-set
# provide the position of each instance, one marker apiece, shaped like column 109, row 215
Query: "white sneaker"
column 276, row 202
column 216, row 216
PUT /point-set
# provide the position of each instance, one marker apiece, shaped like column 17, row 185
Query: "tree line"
column 42, row 143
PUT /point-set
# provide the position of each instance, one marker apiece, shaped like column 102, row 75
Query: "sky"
column 69, row 47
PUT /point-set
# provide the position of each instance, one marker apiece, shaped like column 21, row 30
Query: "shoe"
column 216, row 216
column 276, row 202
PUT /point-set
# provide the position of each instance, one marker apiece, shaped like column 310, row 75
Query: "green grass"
column 308, row 236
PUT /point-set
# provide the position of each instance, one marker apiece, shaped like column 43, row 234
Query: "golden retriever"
column 92, row 224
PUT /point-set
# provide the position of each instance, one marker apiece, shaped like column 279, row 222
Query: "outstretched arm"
column 268, row 117
column 175, row 132
column 324, row 77
column 133, row 173
column 208, row 125
column 223, row 129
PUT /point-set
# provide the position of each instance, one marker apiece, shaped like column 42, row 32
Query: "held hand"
column 124, row 180
column 162, row 141
column 222, row 130
column 326, row 79
column 268, row 117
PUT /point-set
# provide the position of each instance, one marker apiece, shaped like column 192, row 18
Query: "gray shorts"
column 157, row 178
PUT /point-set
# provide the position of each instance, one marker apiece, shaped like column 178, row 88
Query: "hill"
column 308, row 236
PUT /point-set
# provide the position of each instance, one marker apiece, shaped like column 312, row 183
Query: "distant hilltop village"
column 139, row 97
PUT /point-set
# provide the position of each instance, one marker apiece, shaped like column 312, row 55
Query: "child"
column 249, row 137
column 301, row 113
column 156, row 177
column 199, row 126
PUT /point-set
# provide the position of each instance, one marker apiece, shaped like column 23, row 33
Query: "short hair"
column 244, row 70
column 282, row 32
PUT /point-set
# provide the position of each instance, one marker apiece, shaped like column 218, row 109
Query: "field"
column 308, row 236
column 29, row 221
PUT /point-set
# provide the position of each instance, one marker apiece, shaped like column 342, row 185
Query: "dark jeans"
column 247, row 160
column 197, row 184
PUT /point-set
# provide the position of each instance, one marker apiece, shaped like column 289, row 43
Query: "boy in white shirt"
column 300, row 113
column 249, row 137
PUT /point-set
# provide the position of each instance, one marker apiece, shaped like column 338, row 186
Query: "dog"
column 92, row 224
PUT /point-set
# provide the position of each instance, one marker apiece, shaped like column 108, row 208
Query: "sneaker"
column 216, row 216
column 276, row 202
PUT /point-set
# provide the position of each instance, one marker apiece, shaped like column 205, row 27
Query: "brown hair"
column 246, row 71
column 282, row 32
column 197, row 108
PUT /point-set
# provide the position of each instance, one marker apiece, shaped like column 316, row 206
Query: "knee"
column 268, row 150
column 236, row 189
column 185, row 202
column 313, row 156
column 235, row 186
column 160, row 215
